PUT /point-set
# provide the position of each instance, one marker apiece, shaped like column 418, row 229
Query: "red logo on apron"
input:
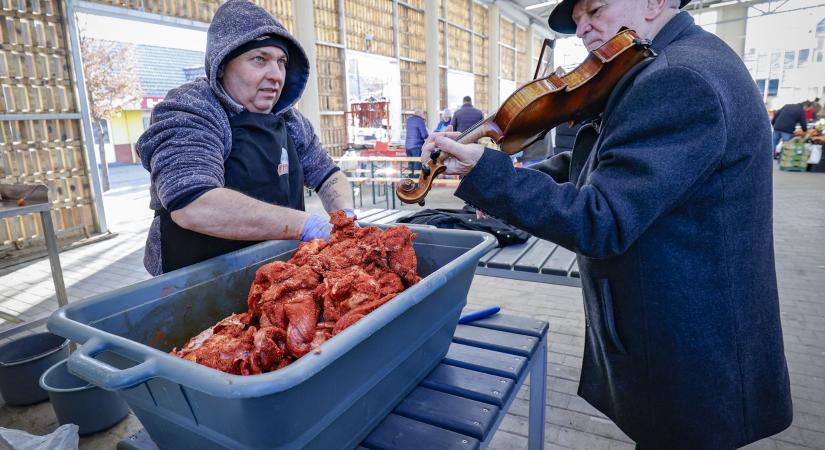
column 283, row 167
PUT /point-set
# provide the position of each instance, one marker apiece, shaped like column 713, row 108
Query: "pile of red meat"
column 295, row 306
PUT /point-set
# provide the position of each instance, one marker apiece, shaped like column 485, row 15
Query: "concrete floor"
column 799, row 231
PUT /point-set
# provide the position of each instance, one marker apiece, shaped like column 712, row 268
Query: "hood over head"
column 237, row 22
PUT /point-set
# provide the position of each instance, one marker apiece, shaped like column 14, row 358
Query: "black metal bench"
column 535, row 260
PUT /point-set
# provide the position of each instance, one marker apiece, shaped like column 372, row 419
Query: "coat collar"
column 675, row 28
column 671, row 31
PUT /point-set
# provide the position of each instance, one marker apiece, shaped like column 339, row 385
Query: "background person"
column 416, row 135
column 784, row 123
column 446, row 118
column 466, row 116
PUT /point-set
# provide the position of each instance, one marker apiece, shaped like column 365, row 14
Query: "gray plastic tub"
column 77, row 401
column 23, row 361
column 329, row 400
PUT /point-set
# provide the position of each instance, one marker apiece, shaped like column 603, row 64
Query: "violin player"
column 669, row 211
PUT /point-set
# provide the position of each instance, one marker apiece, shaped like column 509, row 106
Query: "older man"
column 669, row 211
column 229, row 155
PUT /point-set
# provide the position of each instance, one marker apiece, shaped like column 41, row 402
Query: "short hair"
column 467, row 99
column 447, row 113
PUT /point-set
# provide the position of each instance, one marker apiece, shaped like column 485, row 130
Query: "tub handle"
column 83, row 364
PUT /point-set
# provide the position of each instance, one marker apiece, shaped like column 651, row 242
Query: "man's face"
column 599, row 20
column 255, row 78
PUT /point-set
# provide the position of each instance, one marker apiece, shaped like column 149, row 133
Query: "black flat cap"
column 561, row 18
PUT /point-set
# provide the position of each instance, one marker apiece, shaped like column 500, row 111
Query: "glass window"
column 790, row 58
column 760, row 86
column 773, row 87
column 803, row 57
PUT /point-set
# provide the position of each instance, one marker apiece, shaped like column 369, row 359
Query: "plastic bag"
column 778, row 149
column 816, row 154
column 64, row 437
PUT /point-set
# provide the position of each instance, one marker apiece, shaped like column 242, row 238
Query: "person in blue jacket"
column 669, row 211
column 446, row 120
column 229, row 155
column 416, row 135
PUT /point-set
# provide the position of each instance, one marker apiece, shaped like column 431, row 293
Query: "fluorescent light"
column 539, row 5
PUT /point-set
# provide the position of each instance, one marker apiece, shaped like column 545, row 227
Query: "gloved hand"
column 316, row 227
column 350, row 214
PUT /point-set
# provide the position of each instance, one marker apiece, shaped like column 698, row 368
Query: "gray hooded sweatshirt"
column 189, row 138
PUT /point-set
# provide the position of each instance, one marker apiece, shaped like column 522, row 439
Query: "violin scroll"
column 408, row 191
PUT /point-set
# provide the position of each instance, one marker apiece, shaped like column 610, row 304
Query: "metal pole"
column 82, row 99
column 538, row 387
column 54, row 258
column 432, row 62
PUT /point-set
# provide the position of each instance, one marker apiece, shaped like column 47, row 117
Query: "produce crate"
column 794, row 156
column 325, row 400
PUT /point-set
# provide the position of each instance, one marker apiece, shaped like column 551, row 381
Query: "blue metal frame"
column 537, row 370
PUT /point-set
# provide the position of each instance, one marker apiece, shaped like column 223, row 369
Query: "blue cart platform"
column 460, row 404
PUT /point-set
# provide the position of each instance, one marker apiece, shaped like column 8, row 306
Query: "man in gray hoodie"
column 229, row 155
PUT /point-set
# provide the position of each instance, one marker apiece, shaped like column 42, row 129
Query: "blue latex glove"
column 349, row 212
column 316, row 227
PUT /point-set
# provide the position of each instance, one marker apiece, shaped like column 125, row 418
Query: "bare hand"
column 463, row 157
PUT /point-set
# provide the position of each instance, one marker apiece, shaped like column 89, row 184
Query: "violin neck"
column 485, row 128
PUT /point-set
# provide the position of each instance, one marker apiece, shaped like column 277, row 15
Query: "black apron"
column 262, row 164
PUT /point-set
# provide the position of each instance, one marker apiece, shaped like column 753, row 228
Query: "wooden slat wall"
column 35, row 79
column 201, row 10
column 522, row 58
column 411, row 33
column 370, row 19
column 327, row 27
column 413, row 87
column 506, row 44
column 466, row 23
column 412, row 50
column 330, row 68
column 281, row 9
column 480, row 24
column 460, row 44
column 458, row 13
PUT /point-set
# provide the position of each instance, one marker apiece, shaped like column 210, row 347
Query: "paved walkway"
column 799, row 230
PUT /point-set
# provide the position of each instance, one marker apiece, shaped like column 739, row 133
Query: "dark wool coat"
column 465, row 117
column 670, row 214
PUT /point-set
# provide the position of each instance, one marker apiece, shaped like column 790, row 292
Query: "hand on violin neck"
column 460, row 158
column 429, row 145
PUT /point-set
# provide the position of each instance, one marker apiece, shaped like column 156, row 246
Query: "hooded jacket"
column 189, row 137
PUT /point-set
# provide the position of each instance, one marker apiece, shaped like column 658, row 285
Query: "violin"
column 543, row 104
